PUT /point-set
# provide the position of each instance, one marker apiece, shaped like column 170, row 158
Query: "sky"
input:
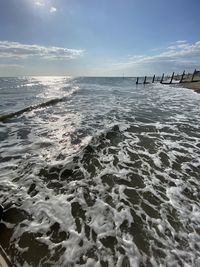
column 99, row 37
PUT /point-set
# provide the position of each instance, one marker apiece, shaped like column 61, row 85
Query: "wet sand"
column 195, row 85
column 192, row 85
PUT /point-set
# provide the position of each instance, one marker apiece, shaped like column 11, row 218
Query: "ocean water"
column 99, row 172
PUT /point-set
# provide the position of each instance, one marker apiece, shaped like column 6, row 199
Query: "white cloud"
column 179, row 54
column 46, row 5
column 52, row 9
column 39, row 3
column 18, row 50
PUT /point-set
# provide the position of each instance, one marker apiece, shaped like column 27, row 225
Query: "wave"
column 124, row 187
column 51, row 102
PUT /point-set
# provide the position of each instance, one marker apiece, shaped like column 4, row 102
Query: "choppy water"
column 99, row 172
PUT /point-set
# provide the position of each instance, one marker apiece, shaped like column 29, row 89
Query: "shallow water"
column 99, row 172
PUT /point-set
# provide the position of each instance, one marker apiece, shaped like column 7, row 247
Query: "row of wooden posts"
column 162, row 78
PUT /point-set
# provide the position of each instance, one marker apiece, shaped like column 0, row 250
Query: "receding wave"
column 117, row 201
column 108, row 178
column 50, row 102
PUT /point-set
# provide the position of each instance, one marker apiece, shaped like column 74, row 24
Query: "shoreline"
column 195, row 86
column 188, row 83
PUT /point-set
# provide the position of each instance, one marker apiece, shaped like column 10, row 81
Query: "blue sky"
column 98, row 37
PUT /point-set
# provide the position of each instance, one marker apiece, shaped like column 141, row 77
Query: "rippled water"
column 99, row 172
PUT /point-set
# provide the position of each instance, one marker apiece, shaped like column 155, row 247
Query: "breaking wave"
column 50, row 102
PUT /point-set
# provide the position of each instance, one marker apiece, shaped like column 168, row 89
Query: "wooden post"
column 145, row 78
column 181, row 80
column 193, row 75
column 1, row 212
column 162, row 78
column 153, row 78
column 172, row 78
column 137, row 81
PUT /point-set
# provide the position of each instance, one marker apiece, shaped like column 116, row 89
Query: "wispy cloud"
column 11, row 66
column 179, row 53
column 179, row 42
column 18, row 50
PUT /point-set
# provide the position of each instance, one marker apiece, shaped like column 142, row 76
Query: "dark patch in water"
column 56, row 234
column 13, row 215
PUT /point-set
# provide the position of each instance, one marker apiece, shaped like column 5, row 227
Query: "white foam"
column 155, row 158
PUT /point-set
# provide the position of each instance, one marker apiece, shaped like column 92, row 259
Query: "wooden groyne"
column 174, row 78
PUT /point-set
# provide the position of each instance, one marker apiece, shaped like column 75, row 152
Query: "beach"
column 187, row 83
column 99, row 133
column 192, row 85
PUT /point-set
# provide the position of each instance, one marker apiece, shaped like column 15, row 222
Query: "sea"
column 99, row 172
